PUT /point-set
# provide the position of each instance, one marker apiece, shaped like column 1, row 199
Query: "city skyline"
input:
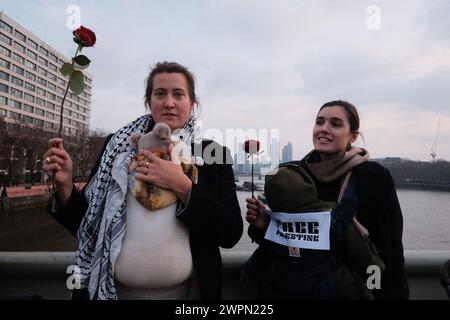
column 270, row 66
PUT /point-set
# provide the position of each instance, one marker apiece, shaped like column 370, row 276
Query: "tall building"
column 286, row 153
column 240, row 158
column 275, row 152
column 31, row 85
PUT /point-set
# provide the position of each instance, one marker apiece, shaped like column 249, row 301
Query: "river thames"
column 426, row 220
column 426, row 217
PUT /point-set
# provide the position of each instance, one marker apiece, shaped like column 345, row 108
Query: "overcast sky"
column 264, row 64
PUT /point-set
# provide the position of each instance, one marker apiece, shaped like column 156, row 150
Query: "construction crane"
column 433, row 153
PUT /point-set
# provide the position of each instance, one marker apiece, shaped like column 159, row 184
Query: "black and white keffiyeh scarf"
column 103, row 227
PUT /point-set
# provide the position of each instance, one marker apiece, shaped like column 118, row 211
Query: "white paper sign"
column 309, row 230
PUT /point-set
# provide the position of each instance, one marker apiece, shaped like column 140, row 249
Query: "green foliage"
column 81, row 60
column 77, row 82
column 66, row 69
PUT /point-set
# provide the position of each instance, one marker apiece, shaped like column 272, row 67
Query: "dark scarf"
column 327, row 171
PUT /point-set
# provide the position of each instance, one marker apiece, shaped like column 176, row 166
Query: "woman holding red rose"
column 126, row 251
column 330, row 165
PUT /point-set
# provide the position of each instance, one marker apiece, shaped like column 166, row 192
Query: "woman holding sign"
column 338, row 171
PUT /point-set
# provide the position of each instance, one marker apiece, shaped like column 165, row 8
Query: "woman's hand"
column 58, row 164
column 256, row 214
column 164, row 174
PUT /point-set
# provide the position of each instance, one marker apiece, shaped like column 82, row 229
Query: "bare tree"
column 23, row 145
column 35, row 146
column 96, row 142
column 12, row 137
column 84, row 149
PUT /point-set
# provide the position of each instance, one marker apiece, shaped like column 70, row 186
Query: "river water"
column 426, row 220
column 426, row 217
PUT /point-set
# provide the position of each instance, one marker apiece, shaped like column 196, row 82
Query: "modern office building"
column 31, row 85
column 275, row 152
column 286, row 154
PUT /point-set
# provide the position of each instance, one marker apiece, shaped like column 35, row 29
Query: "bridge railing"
column 47, row 274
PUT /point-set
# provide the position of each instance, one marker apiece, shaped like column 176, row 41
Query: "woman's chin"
column 324, row 149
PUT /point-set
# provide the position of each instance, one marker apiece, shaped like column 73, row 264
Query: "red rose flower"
column 251, row 146
column 84, row 36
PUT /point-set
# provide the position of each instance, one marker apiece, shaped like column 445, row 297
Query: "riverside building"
column 31, row 85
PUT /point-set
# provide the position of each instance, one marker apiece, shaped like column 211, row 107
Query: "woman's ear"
column 354, row 136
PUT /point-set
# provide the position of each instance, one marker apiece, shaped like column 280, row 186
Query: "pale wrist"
column 182, row 189
column 64, row 192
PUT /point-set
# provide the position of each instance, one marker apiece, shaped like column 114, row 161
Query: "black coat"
column 379, row 211
column 212, row 215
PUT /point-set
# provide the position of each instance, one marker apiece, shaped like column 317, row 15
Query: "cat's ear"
column 135, row 138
